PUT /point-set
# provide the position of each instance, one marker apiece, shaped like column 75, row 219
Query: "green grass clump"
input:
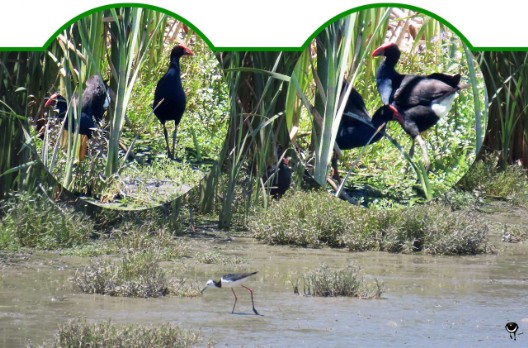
column 148, row 236
column 136, row 275
column 36, row 221
column 508, row 183
column 316, row 219
column 80, row 333
column 325, row 282
column 214, row 257
column 306, row 218
column 435, row 229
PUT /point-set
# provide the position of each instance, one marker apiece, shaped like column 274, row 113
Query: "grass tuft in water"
column 137, row 275
column 80, row 333
column 326, row 282
column 316, row 218
column 215, row 257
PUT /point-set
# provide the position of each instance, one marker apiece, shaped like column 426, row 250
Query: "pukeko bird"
column 421, row 100
column 95, row 100
column 169, row 96
column 387, row 78
column 353, row 133
column 95, row 97
column 282, row 177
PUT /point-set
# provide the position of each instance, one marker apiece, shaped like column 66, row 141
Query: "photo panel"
column 132, row 108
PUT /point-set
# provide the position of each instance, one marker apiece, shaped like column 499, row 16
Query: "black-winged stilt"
column 229, row 281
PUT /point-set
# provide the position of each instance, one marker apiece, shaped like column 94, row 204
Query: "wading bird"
column 229, row 281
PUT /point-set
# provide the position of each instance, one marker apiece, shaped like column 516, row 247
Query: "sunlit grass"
column 81, row 333
column 36, row 221
column 382, row 170
column 328, row 282
column 138, row 274
column 315, row 219
column 491, row 181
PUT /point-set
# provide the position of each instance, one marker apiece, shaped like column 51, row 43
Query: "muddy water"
column 428, row 301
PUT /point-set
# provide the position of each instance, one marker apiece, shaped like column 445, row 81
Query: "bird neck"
column 387, row 68
column 381, row 116
column 61, row 106
column 392, row 57
column 217, row 283
column 175, row 64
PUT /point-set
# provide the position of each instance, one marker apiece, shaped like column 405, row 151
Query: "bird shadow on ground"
column 251, row 314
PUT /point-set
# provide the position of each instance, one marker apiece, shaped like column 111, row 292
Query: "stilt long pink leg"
column 236, row 299
column 252, row 303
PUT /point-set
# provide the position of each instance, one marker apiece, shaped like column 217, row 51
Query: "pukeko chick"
column 95, row 100
column 169, row 97
column 353, row 133
column 421, row 100
column 282, row 177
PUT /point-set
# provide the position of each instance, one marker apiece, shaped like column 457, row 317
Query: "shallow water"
column 428, row 301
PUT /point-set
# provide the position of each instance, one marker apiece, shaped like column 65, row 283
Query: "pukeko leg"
column 234, row 304
column 167, row 141
column 83, row 148
column 252, row 303
column 335, row 170
column 174, row 138
column 421, row 142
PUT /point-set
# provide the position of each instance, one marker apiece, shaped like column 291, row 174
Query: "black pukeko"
column 282, row 177
column 387, row 78
column 421, row 100
column 95, row 100
column 169, row 97
column 95, row 97
column 353, row 133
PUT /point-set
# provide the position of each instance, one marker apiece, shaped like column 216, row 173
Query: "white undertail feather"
column 442, row 108
column 107, row 100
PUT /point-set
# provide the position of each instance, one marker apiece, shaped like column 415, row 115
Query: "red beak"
column 381, row 50
column 396, row 114
column 51, row 99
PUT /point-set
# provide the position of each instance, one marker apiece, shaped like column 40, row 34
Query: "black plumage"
column 387, row 78
column 353, row 132
column 421, row 100
column 359, row 129
column 95, row 101
column 95, row 98
column 169, row 96
column 281, row 176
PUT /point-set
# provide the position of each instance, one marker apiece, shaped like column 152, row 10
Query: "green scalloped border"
column 303, row 46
